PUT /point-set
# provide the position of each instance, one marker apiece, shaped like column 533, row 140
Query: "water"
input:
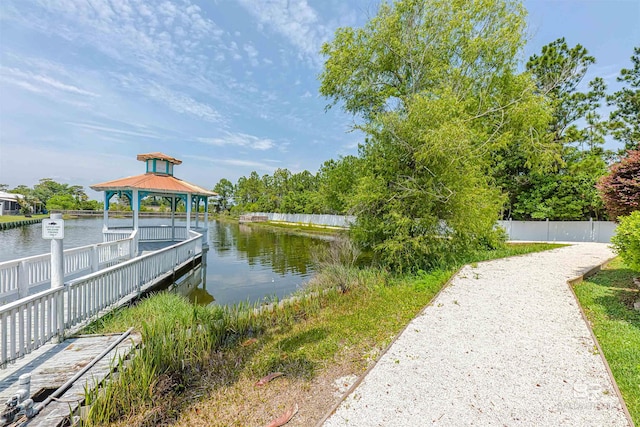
column 243, row 263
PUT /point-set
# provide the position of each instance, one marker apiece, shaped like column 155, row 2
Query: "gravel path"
column 503, row 345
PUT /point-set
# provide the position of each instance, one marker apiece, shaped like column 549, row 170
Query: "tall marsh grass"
column 178, row 342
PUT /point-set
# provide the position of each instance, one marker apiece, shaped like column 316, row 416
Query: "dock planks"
column 54, row 364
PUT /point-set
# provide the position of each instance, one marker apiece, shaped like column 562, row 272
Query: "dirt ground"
column 244, row 404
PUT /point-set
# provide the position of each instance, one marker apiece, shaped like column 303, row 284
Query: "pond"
column 243, row 264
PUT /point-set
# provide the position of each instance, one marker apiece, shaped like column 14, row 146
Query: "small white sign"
column 53, row 229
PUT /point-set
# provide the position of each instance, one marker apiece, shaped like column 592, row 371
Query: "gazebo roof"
column 159, row 156
column 151, row 182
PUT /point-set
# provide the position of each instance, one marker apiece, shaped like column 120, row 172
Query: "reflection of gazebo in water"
column 157, row 181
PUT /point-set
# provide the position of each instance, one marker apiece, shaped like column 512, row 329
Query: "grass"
column 12, row 218
column 198, row 365
column 607, row 299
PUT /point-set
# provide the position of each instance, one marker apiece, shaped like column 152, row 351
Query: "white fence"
column 28, row 323
column 343, row 221
column 560, row 231
column 19, row 277
column 542, row 231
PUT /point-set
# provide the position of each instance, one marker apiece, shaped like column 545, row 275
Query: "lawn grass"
column 12, row 218
column 607, row 299
column 207, row 378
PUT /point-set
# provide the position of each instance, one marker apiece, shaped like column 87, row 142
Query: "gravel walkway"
column 503, row 345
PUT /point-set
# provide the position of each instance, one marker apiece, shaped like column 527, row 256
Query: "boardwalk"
column 52, row 365
column 32, row 321
column 504, row 345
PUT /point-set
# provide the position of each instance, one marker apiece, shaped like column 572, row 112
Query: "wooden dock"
column 52, row 365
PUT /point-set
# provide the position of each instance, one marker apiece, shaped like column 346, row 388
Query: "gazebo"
column 157, row 181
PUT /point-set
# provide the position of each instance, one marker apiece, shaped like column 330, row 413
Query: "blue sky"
column 228, row 86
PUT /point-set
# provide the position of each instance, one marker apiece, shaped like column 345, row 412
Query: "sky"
column 227, row 86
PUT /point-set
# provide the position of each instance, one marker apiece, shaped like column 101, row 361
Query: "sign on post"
column 53, row 229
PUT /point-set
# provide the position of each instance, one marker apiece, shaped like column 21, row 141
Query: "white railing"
column 19, row 277
column 149, row 233
column 162, row 233
column 113, row 234
column 30, row 322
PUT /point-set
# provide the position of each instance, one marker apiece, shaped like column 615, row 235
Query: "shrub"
column 620, row 190
column 627, row 239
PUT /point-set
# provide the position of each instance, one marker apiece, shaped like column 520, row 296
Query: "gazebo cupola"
column 158, row 163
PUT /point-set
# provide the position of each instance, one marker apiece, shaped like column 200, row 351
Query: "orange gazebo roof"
column 153, row 183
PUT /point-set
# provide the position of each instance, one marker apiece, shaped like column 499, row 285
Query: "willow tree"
column 434, row 85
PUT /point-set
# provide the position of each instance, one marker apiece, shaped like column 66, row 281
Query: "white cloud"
column 295, row 20
column 40, row 83
column 183, row 103
column 252, row 53
column 159, row 37
column 241, row 140
column 263, row 166
column 112, row 130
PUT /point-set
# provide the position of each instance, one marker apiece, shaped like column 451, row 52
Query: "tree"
column 47, row 188
column 436, row 85
column 625, row 119
column 576, row 130
column 4, row 187
column 22, row 189
column 620, row 189
column 61, row 202
column 248, row 191
column 225, row 190
column 558, row 71
column 337, row 182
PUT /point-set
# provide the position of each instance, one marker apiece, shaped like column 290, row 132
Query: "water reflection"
column 194, row 287
column 252, row 264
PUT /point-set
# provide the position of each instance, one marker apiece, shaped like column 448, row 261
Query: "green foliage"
column 337, row 180
column 225, row 191
column 558, row 72
column 625, row 119
column 569, row 194
column 435, row 83
column 62, row 194
column 61, row 202
column 627, row 239
column 567, row 191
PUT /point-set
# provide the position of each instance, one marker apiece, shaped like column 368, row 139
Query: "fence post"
column 95, row 259
column 60, row 315
column 23, row 280
column 592, row 234
column 547, row 229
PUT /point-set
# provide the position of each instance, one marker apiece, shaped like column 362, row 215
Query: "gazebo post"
column 197, row 209
column 136, row 206
column 105, row 218
column 188, row 213
column 173, row 218
column 206, row 219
